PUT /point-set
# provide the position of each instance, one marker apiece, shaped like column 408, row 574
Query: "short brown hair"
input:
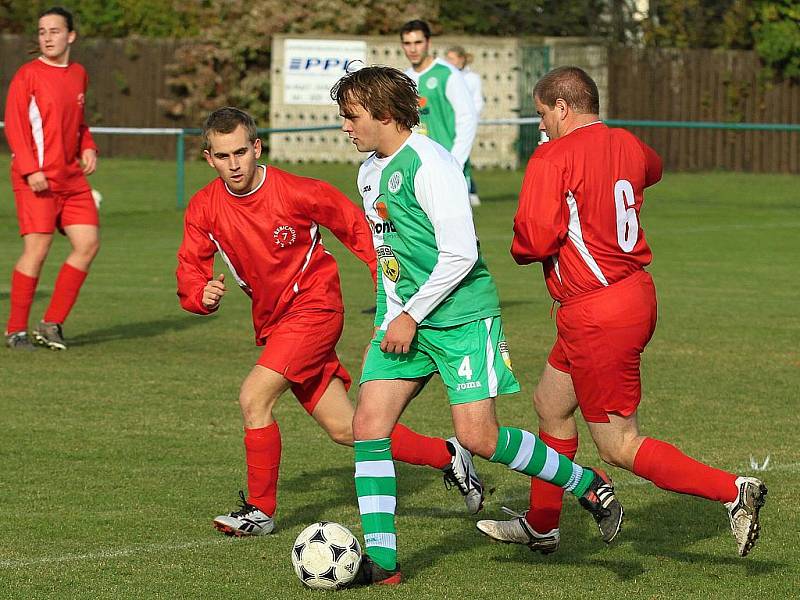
column 384, row 92
column 226, row 120
column 416, row 25
column 571, row 84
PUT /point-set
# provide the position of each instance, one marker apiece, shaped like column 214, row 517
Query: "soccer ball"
column 326, row 556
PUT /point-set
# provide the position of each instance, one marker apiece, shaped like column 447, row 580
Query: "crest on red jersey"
column 285, row 235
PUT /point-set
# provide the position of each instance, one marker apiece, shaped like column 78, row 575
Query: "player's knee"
column 480, row 442
column 616, row 455
column 86, row 251
column 341, row 435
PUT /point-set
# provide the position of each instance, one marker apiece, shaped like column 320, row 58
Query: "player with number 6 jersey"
column 579, row 216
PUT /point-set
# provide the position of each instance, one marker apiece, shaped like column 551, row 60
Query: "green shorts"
column 472, row 359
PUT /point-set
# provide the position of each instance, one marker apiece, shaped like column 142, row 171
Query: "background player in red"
column 579, row 216
column 53, row 152
column 264, row 223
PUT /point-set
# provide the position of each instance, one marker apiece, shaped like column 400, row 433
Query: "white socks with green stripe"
column 524, row 452
column 376, row 488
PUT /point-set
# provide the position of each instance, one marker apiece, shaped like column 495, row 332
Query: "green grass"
column 117, row 453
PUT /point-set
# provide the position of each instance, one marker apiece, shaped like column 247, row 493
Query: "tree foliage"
column 776, row 30
column 111, row 18
column 771, row 27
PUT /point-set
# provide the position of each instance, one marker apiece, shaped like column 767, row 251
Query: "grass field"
column 116, row 454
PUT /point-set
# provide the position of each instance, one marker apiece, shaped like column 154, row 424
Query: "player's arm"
column 87, row 147
column 477, row 93
column 199, row 292
column 442, row 194
column 466, row 117
column 654, row 168
column 333, row 210
column 540, row 224
column 18, row 130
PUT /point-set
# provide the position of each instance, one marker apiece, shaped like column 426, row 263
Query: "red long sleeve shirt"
column 45, row 125
column 579, row 209
column 271, row 242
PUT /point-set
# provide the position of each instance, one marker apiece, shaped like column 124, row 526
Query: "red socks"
column 546, row 498
column 263, row 455
column 415, row 449
column 670, row 469
column 68, row 284
column 23, row 287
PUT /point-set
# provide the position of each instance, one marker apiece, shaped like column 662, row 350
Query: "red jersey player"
column 52, row 152
column 579, row 216
column 264, row 223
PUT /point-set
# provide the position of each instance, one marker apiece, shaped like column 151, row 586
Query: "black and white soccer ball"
column 326, row 556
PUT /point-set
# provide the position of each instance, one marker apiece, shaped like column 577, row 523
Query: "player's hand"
column 213, row 292
column 38, row 182
column 89, row 161
column 399, row 334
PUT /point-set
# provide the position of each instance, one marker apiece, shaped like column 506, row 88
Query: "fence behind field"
column 706, row 85
column 128, row 77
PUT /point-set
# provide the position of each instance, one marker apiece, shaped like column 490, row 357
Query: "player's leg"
column 538, row 527
column 262, row 441
column 621, row 444
column 474, row 363
column 78, row 218
column 604, row 341
column 380, row 404
column 24, row 279
column 36, row 216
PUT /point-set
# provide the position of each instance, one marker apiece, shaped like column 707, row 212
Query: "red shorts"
column 47, row 211
column 302, row 348
column 601, row 337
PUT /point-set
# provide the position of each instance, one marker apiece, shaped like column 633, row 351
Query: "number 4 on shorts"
column 465, row 370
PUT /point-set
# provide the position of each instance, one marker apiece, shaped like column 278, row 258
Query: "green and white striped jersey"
column 429, row 263
column 446, row 112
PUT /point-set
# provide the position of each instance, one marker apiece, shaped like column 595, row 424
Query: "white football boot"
column 248, row 520
column 743, row 512
column 461, row 473
column 518, row 531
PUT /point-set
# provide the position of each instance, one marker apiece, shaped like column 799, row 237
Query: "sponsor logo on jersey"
column 503, row 348
column 285, row 235
column 367, row 188
column 388, row 262
column 431, row 83
column 395, row 181
column 385, row 225
column 469, row 385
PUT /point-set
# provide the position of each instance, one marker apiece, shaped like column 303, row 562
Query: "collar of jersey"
column 254, row 190
column 385, row 160
column 49, row 64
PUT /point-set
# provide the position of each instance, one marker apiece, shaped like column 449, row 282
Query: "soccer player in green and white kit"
column 446, row 108
column 437, row 311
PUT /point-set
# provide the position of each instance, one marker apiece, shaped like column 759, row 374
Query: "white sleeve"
column 466, row 117
column 475, row 88
column 442, row 194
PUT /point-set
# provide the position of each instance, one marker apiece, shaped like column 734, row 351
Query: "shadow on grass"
column 662, row 530
column 141, row 329
column 40, row 294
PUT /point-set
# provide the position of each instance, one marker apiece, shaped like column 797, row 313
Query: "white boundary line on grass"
column 144, row 548
column 107, row 554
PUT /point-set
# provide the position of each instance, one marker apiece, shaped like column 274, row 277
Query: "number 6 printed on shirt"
column 627, row 221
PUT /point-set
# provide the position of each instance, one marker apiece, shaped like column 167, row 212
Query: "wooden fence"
column 706, row 85
column 127, row 77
